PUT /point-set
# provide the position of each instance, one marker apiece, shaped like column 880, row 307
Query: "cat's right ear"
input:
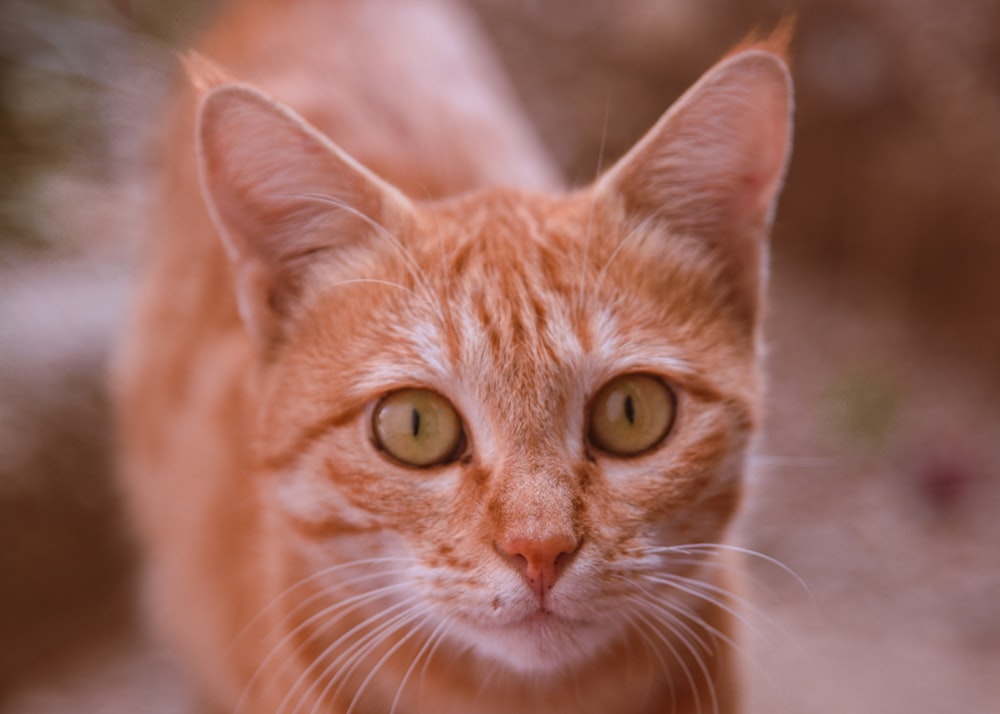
column 284, row 198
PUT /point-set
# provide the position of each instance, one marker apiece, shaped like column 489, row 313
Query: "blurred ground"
column 877, row 478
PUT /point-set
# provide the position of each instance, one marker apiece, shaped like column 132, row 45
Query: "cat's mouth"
column 544, row 624
column 544, row 617
column 541, row 640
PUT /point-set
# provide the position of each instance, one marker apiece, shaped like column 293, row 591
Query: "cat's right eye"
column 417, row 427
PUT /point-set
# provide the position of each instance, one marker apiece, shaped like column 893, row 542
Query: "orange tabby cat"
column 398, row 438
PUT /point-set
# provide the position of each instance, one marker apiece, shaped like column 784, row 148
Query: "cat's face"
column 503, row 420
column 536, row 529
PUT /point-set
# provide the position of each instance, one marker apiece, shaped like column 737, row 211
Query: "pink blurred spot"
column 946, row 477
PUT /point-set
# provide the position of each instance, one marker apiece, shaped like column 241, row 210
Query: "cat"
column 408, row 426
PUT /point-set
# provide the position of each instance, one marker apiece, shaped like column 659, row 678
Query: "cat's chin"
column 537, row 644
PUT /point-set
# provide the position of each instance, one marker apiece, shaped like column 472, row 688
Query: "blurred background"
column 877, row 478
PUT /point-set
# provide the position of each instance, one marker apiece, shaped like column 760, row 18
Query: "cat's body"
column 296, row 557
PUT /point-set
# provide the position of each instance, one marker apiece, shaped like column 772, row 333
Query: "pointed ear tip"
column 203, row 73
column 233, row 91
column 220, row 101
column 759, row 68
column 762, row 59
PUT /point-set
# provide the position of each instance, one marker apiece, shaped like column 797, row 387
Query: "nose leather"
column 540, row 561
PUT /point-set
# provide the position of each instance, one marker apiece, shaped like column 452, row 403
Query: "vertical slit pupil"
column 630, row 409
column 415, row 422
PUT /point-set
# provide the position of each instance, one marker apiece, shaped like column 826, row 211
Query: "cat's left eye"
column 417, row 427
column 631, row 414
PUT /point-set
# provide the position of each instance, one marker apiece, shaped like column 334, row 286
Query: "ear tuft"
column 778, row 41
column 203, row 73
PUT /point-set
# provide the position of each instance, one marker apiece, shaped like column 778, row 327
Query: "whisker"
column 655, row 650
column 710, row 593
column 445, row 278
column 729, row 642
column 683, row 610
column 370, row 641
column 430, row 656
column 702, row 547
column 724, row 566
column 590, row 217
column 741, row 609
column 360, row 600
column 485, row 682
column 650, row 600
column 653, row 599
column 748, row 604
column 638, row 230
column 345, row 606
column 576, row 689
column 709, row 680
column 414, row 630
column 775, row 460
column 375, row 281
column 336, row 644
column 671, row 624
column 359, row 650
column 669, row 644
column 301, row 583
column 413, row 267
column 705, row 559
column 430, row 645
column 668, row 610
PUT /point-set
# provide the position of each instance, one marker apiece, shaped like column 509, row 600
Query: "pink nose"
column 539, row 561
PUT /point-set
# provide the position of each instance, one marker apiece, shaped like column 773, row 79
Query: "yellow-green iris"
column 631, row 414
column 417, row 427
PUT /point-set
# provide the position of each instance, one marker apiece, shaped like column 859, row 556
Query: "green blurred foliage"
column 864, row 404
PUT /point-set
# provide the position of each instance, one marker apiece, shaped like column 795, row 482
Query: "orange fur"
column 778, row 41
column 323, row 276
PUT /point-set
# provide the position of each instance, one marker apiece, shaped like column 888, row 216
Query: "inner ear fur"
column 283, row 197
column 712, row 167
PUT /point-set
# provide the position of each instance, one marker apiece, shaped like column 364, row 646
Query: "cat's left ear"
column 285, row 199
column 712, row 167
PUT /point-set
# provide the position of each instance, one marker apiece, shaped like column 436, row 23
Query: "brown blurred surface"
column 878, row 478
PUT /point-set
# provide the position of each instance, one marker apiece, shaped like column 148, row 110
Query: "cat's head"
column 510, row 417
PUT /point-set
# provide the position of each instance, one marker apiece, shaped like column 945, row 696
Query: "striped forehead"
column 509, row 280
column 518, row 348
column 508, row 321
